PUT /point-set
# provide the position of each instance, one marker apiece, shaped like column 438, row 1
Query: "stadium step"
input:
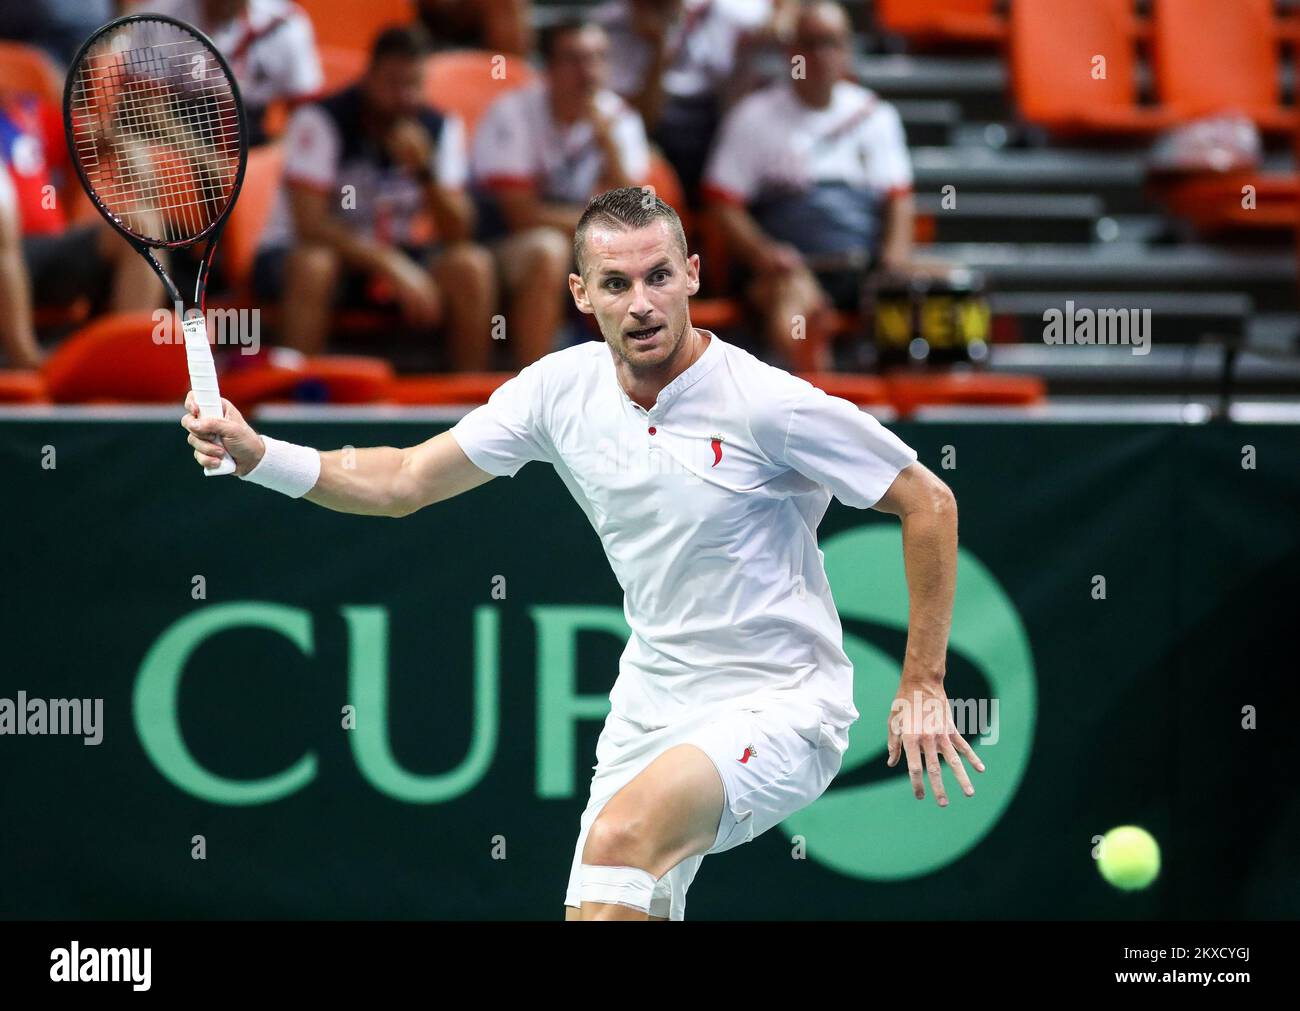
column 928, row 122
column 1269, row 277
column 1116, row 370
column 1175, row 317
column 977, row 83
column 1005, row 217
column 1116, row 177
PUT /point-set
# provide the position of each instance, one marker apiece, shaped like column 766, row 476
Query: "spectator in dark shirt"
column 365, row 171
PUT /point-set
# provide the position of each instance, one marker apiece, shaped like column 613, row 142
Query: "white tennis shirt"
column 707, row 506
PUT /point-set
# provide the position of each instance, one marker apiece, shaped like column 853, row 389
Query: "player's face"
column 637, row 284
column 394, row 88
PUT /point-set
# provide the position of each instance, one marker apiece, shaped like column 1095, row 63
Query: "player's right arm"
column 377, row 481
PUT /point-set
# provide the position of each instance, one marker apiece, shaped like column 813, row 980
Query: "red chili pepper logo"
column 717, row 449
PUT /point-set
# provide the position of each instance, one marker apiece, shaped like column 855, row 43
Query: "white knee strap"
column 627, row 886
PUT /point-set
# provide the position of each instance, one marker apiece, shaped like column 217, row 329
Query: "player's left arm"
column 928, row 510
column 920, row 723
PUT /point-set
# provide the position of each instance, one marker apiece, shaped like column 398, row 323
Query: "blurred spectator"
column 57, row 26
column 365, row 169
column 540, row 154
column 269, row 45
column 45, row 260
column 501, row 26
column 812, row 185
column 677, row 62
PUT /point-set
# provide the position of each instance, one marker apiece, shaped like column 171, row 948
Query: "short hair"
column 410, row 42
column 549, row 37
column 627, row 208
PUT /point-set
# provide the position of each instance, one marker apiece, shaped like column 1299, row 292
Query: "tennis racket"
column 156, row 130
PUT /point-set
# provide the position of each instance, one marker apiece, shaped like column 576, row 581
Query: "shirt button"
column 652, row 430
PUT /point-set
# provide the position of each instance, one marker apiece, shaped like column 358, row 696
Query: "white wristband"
column 284, row 467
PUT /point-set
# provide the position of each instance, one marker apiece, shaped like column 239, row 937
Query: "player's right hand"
column 236, row 435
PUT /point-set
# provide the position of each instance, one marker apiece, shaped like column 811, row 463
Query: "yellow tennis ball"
column 1129, row 858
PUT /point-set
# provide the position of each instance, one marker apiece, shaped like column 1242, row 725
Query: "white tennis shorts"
column 773, row 761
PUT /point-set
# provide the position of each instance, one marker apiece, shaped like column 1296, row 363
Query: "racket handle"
column 203, row 381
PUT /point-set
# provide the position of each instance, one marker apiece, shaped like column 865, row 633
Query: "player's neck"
column 644, row 387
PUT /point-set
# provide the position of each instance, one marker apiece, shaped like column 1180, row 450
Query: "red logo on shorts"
column 716, row 441
column 750, row 752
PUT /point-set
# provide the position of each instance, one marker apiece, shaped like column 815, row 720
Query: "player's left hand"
column 921, row 727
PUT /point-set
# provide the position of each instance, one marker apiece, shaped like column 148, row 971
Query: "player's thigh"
column 667, row 812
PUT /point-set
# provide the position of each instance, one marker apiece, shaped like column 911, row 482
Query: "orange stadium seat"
column 1053, row 44
column 354, row 24
column 444, row 388
column 26, row 69
column 1213, row 57
column 865, row 391
column 664, row 181
column 114, row 358
column 256, row 198
column 22, row 386
column 910, row 390
column 334, row 379
column 341, row 66
column 467, row 81
column 942, row 20
column 1213, row 202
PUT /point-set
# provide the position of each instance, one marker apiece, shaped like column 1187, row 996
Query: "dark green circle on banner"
column 879, row 831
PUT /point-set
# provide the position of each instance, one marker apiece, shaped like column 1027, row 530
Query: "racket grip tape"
column 203, row 381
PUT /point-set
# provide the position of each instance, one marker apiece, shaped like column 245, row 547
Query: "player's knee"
column 617, row 840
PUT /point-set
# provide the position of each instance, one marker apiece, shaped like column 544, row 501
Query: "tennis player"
column 705, row 472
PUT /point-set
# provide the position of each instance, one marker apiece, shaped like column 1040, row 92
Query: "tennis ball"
column 1130, row 857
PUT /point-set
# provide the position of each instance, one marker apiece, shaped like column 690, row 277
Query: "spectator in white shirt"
column 811, row 184
column 269, row 45
column 680, row 63
column 540, row 153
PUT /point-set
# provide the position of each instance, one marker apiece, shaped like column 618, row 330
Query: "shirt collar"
column 700, row 368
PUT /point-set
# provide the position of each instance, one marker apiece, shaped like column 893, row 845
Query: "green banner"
column 306, row 714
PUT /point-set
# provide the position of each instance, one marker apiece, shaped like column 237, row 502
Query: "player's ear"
column 693, row 273
column 579, row 291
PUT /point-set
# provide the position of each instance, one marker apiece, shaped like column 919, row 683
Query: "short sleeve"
column 502, row 153
column 311, row 149
column 731, row 175
column 499, row 437
column 889, row 166
column 633, row 148
column 452, row 167
column 303, row 74
column 833, row 442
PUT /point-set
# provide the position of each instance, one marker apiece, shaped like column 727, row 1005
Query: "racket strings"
column 156, row 130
